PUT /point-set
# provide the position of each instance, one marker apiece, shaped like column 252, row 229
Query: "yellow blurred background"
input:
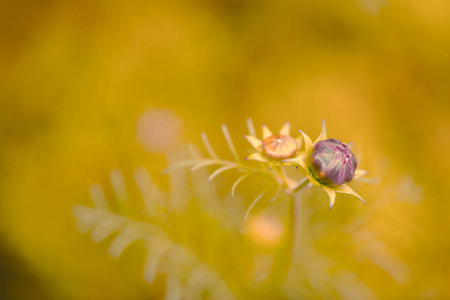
column 79, row 79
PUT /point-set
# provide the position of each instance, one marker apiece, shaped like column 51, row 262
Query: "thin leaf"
column 203, row 164
column 105, row 228
column 148, row 189
column 251, row 127
column 85, row 216
column 249, row 209
column 179, row 165
column 275, row 196
column 179, row 191
column 174, row 288
column 195, row 153
column 96, row 192
column 123, row 240
column 154, row 255
column 222, row 169
column 226, row 133
column 208, row 147
column 299, row 183
column 118, row 184
column 235, row 184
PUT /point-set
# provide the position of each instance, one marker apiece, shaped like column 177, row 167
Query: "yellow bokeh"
column 82, row 83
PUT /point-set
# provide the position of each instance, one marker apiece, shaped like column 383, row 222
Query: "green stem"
column 283, row 257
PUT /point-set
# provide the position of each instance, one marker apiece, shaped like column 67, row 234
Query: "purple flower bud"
column 332, row 163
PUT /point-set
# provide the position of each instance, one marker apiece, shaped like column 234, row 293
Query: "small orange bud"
column 279, row 147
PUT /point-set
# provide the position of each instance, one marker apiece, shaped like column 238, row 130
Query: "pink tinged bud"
column 279, row 147
column 332, row 163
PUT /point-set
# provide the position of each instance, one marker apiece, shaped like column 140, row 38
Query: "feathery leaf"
column 123, row 240
column 222, row 169
column 203, row 164
column 118, row 184
column 275, row 196
column 179, row 165
column 208, row 147
column 154, row 255
column 226, row 133
column 235, row 184
column 252, row 205
column 251, row 127
column 194, row 152
column 105, row 228
column 96, row 192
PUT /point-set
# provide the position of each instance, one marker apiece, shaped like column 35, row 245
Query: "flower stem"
column 283, row 257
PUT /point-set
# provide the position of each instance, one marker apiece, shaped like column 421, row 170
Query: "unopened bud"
column 279, row 147
column 332, row 163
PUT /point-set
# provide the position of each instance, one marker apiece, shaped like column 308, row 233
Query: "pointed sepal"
column 301, row 160
column 308, row 142
column 266, row 132
column 331, row 193
column 255, row 142
column 323, row 133
column 359, row 173
column 256, row 156
column 286, row 129
column 345, row 189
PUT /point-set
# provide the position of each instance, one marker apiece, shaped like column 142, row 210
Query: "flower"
column 332, row 163
column 274, row 148
column 329, row 163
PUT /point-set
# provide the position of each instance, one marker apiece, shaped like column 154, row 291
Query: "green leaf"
column 118, row 184
column 97, row 195
column 154, row 255
column 208, row 147
column 222, row 169
column 203, row 164
column 251, row 127
column 249, row 209
column 275, row 196
column 194, row 152
column 150, row 192
column 233, row 150
column 179, row 165
column 235, row 184
column 123, row 240
column 105, row 228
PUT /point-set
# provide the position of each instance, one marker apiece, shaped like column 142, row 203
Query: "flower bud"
column 332, row 163
column 279, row 147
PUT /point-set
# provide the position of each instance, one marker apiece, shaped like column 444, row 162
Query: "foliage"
column 163, row 225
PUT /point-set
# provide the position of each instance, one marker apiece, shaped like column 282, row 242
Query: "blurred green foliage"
column 75, row 76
